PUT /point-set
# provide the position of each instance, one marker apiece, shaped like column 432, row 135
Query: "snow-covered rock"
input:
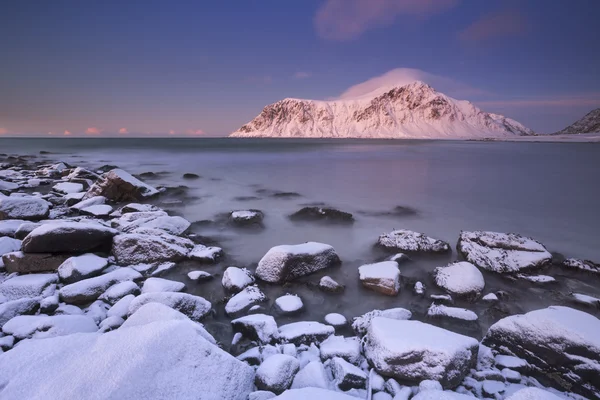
column 555, row 340
column 235, row 279
column 204, row 253
column 289, row 304
column 533, row 393
column 313, row 393
column 68, row 237
column 313, row 375
column 121, row 307
column 288, row 262
column 118, row 185
column 583, row 265
column 382, row 277
column 90, row 289
column 328, row 284
column 110, row 324
column 8, row 186
column 246, row 217
column 81, row 267
column 412, row 351
column 419, row 288
column 490, row 297
column 44, row 326
column 136, row 219
column 305, row 332
column 133, row 248
column 8, row 227
column 537, row 278
column 199, row 275
column 152, row 285
column 502, row 252
column 31, row 262
column 414, row 110
column 32, row 285
column 336, row 320
column 442, row 311
column 119, row 290
column 429, row 384
column 410, row 241
column 361, row 324
column 276, row 373
column 195, row 307
column 11, row 309
column 342, row 347
column 585, row 299
column 347, row 376
column 28, row 208
column 68, row 187
column 439, row 395
column 460, row 279
column 322, row 214
column 259, row 327
column 174, row 225
column 100, row 210
column 261, row 395
column 512, row 362
column 248, row 297
column 159, row 360
column 8, row 245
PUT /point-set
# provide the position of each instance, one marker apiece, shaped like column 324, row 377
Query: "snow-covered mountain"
column 590, row 123
column 415, row 110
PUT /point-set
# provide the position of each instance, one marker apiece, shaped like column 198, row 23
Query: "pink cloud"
column 302, row 75
column 171, row 132
column 3, row 131
column 123, row 130
column 67, row 133
column 499, row 24
column 195, row 132
column 348, row 19
column 93, row 131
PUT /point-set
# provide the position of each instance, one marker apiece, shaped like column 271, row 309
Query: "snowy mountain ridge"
column 414, row 111
column 590, row 123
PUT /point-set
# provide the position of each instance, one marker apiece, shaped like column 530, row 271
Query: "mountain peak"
column 590, row 123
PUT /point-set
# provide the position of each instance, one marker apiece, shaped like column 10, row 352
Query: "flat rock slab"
column 410, row 241
column 68, row 237
column 27, row 208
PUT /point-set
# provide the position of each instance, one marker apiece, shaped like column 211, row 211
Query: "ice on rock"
column 32, row 285
column 137, row 248
column 361, row 324
column 152, row 285
column 313, row 393
column 382, row 277
column 121, row 308
column 288, row 262
column 27, row 208
column 347, row 376
column 461, row 279
column 440, row 310
column 90, row 289
column 195, row 307
column 81, row 267
column 533, row 393
column 248, row 297
column 413, row 351
column 235, row 279
column 259, row 327
column 336, row 320
column 8, row 245
column 305, row 332
column 44, row 326
column 409, row 241
column 68, row 187
column 160, row 360
column 199, row 275
column 312, row 374
column 100, row 210
column 119, row 290
column 11, row 309
column 339, row 346
column 276, row 373
column 502, row 252
column 289, row 303
column 327, row 284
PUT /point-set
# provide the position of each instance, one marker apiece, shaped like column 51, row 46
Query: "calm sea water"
column 548, row 191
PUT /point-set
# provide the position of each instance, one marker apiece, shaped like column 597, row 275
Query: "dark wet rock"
column 276, row 373
column 246, row 198
column 118, row 185
column 68, row 237
column 189, row 175
column 305, row 332
column 288, row 262
column 410, row 241
column 106, row 168
column 246, row 217
column 398, row 211
column 29, row 262
column 502, row 252
column 285, row 195
column 322, row 214
column 27, row 208
column 347, row 376
column 582, row 265
column 560, row 343
column 25, row 229
column 328, row 284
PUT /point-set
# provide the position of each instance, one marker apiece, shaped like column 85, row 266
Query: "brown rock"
column 118, row 185
column 27, row 262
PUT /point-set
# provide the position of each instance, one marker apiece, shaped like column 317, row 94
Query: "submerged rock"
column 322, row 214
column 583, row 265
column 382, row 277
column 27, row 208
column 246, row 217
column 288, row 262
column 460, row 279
column 68, row 237
column 328, row 284
column 118, row 185
column 409, row 241
column 502, row 252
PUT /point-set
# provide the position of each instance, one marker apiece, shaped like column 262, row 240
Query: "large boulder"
column 194, row 307
column 561, row 344
column 382, row 277
column 81, row 267
column 137, row 248
column 27, row 208
column 32, row 262
column 288, row 262
column 31, row 285
column 159, row 360
column 462, row 279
column 68, row 237
column 259, row 327
column 88, row 290
column 118, row 185
column 44, row 326
column 502, row 252
column 412, row 351
column 410, row 241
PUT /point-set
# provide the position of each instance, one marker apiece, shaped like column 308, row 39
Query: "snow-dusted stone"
column 259, row 327
column 68, row 237
column 361, row 324
column 97, row 311
column 235, row 279
column 327, row 284
column 131, row 221
column 311, row 375
column 135, row 248
column 100, row 210
column 9, row 227
column 322, row 214
column 413, row 351
column 68, row 187
column 174, row 225
column 137, row 207
column 32, row 285
column 199, row 275
column 511, row 376
column 204, row 253
column 68, row 309
column 163, row 268
column 429, row 384
column 92, row 201
column 28, row 208
column 246, row 217
column 442, row 311
column 555, row 340
column 90, row 289
column 81, row 267
column 399, row 257
column 460, row 279
column 110, row 324
column 152, row 285
column 73, row 198
column 336, row 320
column 8, row 186
column 159, row 360
column 6, row 343
column 441, row 395
column 419, row 288
column 585, row 299
column 289, row 304
column 490, row 297
column 49, row 304
column 276, row 373
column 305, row 332
column 261, row 395
column 583, row 265
column 44, row 326
column 30, row 262
column 11, row 309
column 533, row 393
column 82, row 173
column 248, row 297
column 313, row 393
column 502, row 252
column 339, row 346
column 382, row 396
column 195, row 307
column 121, row 307
column 347, row 376
column 382, row 277
column 8, row 245
column 512, row 362
column 410, row 241
column 288, row 262
column 119, row 290
column 118, row 185
column 251, row 356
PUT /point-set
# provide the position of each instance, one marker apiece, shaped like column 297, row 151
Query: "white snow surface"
column 406, row 240
column 460, row 278
column 312, row 375
column 152, row 285
column 14, row 207
column 205, row 253
column 264, row 326
column 297, row 331
column 382, row 276
column 92, row 201
column 44, row 326
column 537, row 278
column 4, row 185
column 313, row 393
column 119, row 290
column 68, row 187
column 347, row 348
column 121, row 308
column 195, row 307
column 30, row 285
column 335, row 319
column 289, row 303
column 9, row 245
column 440, row 310
column 249, row 296
column 81, row 266
column 92, row 288
column 68, row 226
column 197, row 275
column 8, row 227
column 277, row 372
column 533, row 393
column 585, row 299
column 361, row 324
column 236, row 279
column 99, row 210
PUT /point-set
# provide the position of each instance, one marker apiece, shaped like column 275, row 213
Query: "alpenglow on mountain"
column 413, row 111
column 590, row 123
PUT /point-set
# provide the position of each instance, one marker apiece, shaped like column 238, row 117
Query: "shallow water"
column 548, row 191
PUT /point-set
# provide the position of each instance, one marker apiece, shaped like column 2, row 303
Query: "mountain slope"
column 415, row 110
column 590, row 123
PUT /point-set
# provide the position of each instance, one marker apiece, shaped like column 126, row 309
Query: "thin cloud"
column 93, row 131
column 67, row 133
column 123, row 130
column 340, row 20
column 500, row 24
column 171, row 132
column 302, row 75
column 3, row 131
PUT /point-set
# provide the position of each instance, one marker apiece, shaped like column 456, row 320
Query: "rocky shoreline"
column 84, row 312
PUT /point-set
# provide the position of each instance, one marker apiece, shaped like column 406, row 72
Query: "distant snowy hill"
column 415, row 110
column 588, row 124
